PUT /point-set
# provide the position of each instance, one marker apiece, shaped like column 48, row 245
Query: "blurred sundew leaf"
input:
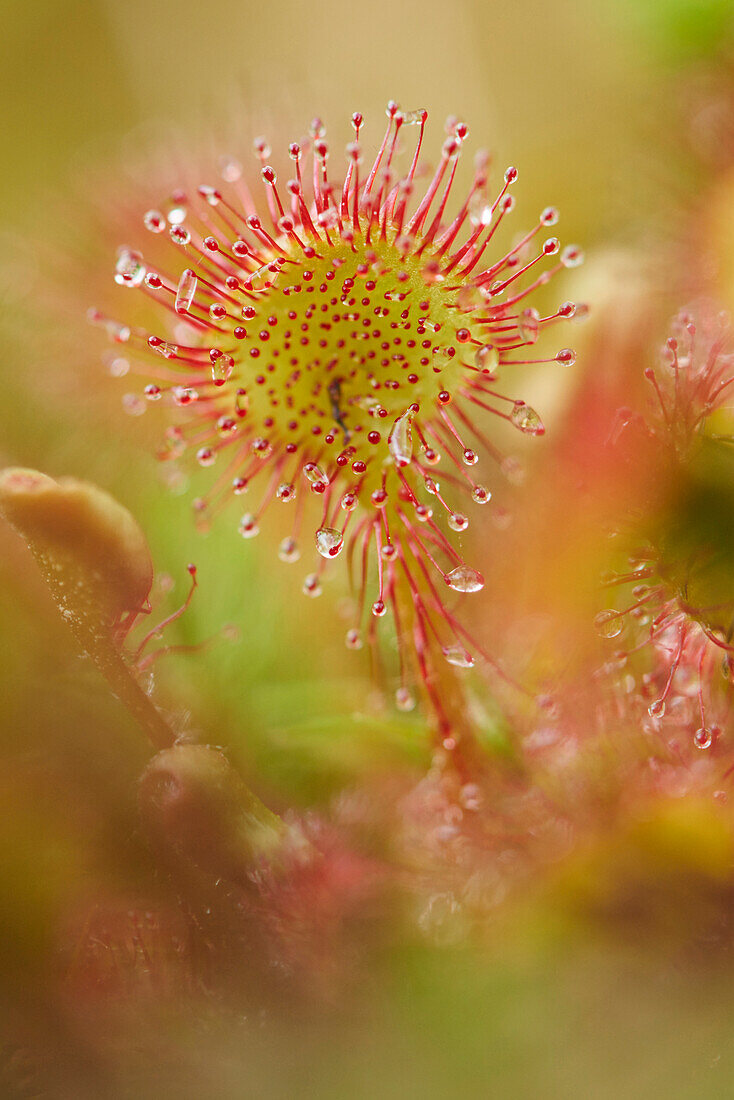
column 309, row 738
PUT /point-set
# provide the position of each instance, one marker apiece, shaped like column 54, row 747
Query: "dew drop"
column 226, row 426
column 222, row 368
column 154, row 221
column 703, row 738
column 117, row 332
column 400, row 440
column 480, row 495
column 456, row 655
column 129, row 269
column 206, row 456
column 186, row 290
column 567, row 356
column 379, row 608
column 464, row 579
column 457, row 522
column 480, row 211
column 470, row 458
column 487, row 359
column 179, row 235
column 261, row 448
column 285, row 492
column 528, row 326
column 210, row 195
column 264, row 278
column 657, row 709
column 526, row 419
column 405, row 699
column 572, row 256
column 184, row 395
column 165, row 348
column 609, row 623
column 248, row 526
column 414, row 118
column 353, row 639
column 316, row 476
column 329, row 542
column 312, row 586
column 288, row 550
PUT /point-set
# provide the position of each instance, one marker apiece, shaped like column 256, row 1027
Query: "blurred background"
column 622, row 115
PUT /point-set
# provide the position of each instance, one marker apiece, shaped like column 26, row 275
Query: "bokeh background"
column 619, row 114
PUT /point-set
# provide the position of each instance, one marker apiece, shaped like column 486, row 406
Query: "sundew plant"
column 367, row 609
column 344, row 351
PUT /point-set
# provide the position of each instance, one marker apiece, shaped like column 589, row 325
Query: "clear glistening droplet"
column 400, row 440
column 315, row 475
column 329, row 542
column 526, row 419
column 285, row 492
column 312, row 586
column 487, row 359
column 657, row 709
column 288, row 550
column 129, row 269
column 154, row 221
column 458, row 522
column 528, row 326
column 464, row 579
column 458, row 656
column 186, row 290
column 703, row 738
column 248, row 526
column 609, row 623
